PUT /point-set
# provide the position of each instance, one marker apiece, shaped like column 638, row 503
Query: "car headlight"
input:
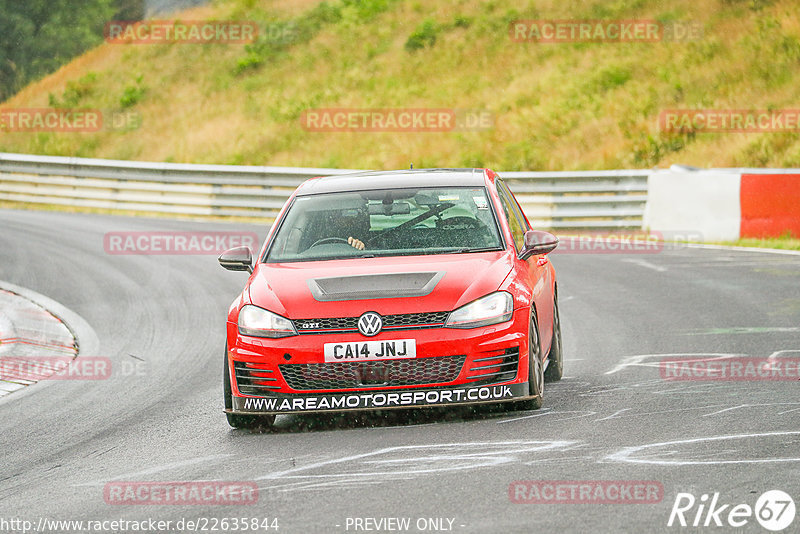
column 492, row 309
column 258, row 322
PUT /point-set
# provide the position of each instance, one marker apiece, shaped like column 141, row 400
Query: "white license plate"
column 361, row 351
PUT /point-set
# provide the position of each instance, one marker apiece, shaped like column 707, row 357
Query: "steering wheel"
column 329, row 240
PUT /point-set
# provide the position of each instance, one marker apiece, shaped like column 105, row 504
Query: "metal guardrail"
column 559, row 200
column 566, row 200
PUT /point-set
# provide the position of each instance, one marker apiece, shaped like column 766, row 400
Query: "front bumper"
column 377, row 400
column 452, row 366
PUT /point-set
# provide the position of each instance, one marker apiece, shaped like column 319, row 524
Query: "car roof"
column 362, row 181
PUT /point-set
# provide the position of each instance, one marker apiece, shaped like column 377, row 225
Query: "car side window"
column 517, row 226
column 517, row 208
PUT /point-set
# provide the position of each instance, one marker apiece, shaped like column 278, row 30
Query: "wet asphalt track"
column 611, row 418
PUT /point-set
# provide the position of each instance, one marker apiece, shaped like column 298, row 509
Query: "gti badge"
column 370, row 324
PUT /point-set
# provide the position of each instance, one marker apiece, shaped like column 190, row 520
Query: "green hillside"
column 554, row 106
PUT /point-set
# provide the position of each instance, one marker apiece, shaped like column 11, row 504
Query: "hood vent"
column 374, row 286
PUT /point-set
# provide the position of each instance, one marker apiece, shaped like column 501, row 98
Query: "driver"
column 355, row 243
column 353, row 222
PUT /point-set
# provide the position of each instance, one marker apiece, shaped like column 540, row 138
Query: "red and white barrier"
column 770, row 205
column 724, row 204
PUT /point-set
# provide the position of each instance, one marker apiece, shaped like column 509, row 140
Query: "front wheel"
column 555, row 367
column 535, row 374
column 250, row 421
column 238, row 420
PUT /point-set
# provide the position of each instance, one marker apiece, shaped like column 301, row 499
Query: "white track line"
column 744, row 249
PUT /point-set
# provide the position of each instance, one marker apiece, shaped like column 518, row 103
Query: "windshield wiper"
column 465, row 250
column 476, row 249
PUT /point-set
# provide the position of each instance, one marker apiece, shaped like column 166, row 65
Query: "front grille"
column 494, row 369
column 390, row 322
column 361, row 375
column 415, row 319
column 254, row 378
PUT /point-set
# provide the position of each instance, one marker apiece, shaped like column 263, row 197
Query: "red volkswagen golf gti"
column 398, row 289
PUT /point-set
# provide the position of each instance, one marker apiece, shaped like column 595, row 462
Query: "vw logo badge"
column 370, row 324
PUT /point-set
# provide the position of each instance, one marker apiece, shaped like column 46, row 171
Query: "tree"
column 38, row 36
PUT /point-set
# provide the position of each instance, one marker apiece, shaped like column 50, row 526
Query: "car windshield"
column 390, row 222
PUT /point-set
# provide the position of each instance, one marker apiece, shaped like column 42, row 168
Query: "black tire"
column 555, row 367
column 250, row 421
column 227, row 393
column 239, row 420
column 535, row 374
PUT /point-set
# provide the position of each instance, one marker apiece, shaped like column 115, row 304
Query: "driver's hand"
column 355, row 243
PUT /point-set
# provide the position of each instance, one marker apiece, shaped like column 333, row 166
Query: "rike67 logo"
column 774, row 510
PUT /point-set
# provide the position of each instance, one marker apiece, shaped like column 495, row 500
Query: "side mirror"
column 538, row 242
column 237, row 259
